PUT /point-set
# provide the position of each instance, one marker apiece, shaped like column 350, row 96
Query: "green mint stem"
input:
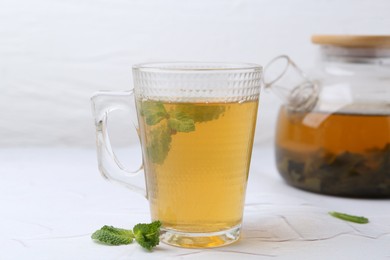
column 350, row 218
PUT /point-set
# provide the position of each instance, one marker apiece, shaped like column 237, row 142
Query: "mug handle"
column 103, row 103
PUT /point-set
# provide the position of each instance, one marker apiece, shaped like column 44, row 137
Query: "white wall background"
column 54, row 54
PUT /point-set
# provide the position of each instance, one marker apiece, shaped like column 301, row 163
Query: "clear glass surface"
column 341, row 146
column 196, row 123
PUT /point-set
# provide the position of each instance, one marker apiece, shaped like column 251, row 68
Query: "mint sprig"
column 153, row 112
column 200, row 112
column 181, row 122
column 350, row 218
column 165, row 123
column 146, row 235
column 159, row 143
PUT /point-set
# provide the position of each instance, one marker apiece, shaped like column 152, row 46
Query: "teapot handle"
column 103, row 103
column 290, row 84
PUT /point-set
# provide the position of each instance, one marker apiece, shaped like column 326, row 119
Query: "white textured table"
column 52, row 199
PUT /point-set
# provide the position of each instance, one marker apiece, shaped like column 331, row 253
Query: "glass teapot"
column 333, row 130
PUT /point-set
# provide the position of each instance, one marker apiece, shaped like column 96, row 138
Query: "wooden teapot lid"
column 353, row 41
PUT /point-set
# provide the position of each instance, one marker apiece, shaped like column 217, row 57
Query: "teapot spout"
column 290, row 83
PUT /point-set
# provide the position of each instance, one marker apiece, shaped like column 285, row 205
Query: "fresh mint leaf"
column 181, row 122
column 153, row 112
column 113, row 236
column 159, row 143
column 147, row 235
column 347, row 217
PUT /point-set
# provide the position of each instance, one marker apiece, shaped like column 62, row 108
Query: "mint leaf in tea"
column 159, row 142
column 153, row 112
column 201, row 112
column 181, row 122
column 162, row 122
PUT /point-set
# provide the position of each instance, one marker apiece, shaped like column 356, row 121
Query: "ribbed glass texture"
column 202, row 82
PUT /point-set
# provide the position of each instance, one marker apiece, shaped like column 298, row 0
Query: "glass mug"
column 196, row 123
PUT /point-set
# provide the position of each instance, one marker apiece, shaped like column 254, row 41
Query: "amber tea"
column 342, row 153
column 196, row 159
